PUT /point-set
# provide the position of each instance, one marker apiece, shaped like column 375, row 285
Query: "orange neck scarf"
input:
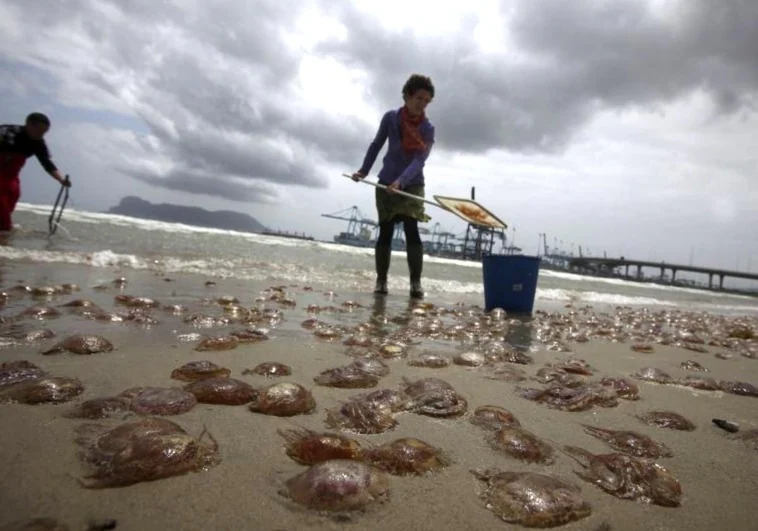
column 411, row 130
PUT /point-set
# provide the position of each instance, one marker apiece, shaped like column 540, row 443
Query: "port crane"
column 479, row 241
column 439, row 243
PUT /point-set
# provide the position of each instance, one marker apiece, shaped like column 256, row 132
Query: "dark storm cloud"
column 198, row 182
column 630, row 53
column 215, row 84
column 574, row 58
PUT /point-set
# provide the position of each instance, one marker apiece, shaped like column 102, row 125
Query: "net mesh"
column 471, row 212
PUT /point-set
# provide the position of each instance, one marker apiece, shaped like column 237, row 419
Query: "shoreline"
column 33, row 209
column 361, row 283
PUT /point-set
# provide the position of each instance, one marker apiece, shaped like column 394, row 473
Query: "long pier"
column 609, row 264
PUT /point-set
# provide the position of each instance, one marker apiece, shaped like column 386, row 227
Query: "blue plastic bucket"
column 510, row 282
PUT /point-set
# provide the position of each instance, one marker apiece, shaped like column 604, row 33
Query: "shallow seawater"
column 105, row 241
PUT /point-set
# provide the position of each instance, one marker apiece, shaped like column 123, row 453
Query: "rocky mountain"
column 195, row 216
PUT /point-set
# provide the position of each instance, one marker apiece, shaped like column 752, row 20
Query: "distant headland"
column 188, row 215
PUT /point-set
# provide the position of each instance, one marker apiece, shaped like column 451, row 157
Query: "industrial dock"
column 476, row 242
column 472, row 244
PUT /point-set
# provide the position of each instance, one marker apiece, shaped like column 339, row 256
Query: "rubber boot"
column 382, row 255
column 415, row 252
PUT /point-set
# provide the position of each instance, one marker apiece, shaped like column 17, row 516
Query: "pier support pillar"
column 627, row 271
column 673, row 276
column 639, row 271
column 710, row 280
column 721, row 281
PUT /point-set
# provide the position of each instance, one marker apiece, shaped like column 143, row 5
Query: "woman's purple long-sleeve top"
column 397, row 163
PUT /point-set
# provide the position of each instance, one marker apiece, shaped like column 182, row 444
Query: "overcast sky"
column 622, row 126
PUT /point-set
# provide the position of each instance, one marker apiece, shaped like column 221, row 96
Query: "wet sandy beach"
column 718, row 475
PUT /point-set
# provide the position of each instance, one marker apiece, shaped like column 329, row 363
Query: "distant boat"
column 287, row 234
column 362, row 239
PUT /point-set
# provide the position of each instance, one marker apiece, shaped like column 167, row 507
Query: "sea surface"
column 99, row 244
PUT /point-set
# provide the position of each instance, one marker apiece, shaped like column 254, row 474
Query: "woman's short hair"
column 418, row 82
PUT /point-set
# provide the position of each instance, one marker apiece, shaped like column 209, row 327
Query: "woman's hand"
column 357, row 176
column 393, row 187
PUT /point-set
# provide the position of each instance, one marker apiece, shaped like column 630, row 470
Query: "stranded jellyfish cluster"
column 136, row 434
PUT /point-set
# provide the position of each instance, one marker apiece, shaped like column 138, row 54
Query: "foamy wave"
column 219, row 268
column 83, row 216
column 585, row 279
column 623, row 300
column 11, row 253
column 160, row 226
column 110, row 259
column 104, row 258
column 635, row 284
column 347, row 249
column 358, row 279
column 551, row 294
column 596, row 297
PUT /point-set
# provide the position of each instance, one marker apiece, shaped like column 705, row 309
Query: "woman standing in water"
column 410, row 136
